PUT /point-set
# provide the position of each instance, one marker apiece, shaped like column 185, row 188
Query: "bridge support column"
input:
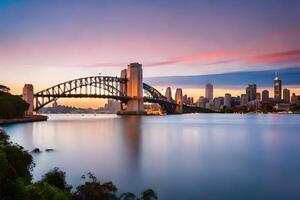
column 178, row 99
column 28, row 97
column 134, row 89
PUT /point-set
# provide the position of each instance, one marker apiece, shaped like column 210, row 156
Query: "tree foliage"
column 12, row 106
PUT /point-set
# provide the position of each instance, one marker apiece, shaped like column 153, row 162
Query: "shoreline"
column 34, row 118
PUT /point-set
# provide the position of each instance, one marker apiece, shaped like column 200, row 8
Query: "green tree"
column 94, row 190
column 56, row 178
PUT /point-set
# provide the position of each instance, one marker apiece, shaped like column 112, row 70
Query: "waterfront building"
column 227, row 100
column 168, row 93
column 190, row 100
column 251, row 92
column 244, row 99
column 254, row 104
column 258, row 96
column 202, row 102
column 209, row 91
column 265, row 96
column 294, row 100
column 184, row 99
column 235, row 101
column 218, row 102
column 277, row 89
column 286, row 96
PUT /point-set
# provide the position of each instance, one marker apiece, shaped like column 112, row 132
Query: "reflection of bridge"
column 129, row 89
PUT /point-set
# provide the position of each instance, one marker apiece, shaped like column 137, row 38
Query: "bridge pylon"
column 28, row 96
column 134, row 90
column 178, row 100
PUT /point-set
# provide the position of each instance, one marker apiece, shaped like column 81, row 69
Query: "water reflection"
column 132, row 133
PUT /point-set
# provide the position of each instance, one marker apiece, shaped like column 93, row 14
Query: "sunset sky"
column 48, row 42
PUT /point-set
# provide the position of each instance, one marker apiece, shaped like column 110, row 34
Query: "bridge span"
column 128, row 89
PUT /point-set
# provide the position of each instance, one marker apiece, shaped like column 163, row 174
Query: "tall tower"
column 277, row 89
column 286, row 95
column 28, row 97
column 251, row 92
column 227, row 100
column 178, row 99
column 209, row 91
column 133, row 88
column 168, row 94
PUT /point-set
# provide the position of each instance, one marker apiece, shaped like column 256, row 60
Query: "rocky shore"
column 34, row 118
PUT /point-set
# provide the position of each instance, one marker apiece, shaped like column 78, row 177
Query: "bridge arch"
column 98, row 87
column 87, row 87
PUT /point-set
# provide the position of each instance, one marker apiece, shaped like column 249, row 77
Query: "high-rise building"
column 251, row 92
column 218, row 102
column 184, row 99
column 294, row 100
column 168, row 94
column 286, row 96
column 244, row 99
column 258, row 96
column 227, row 100
column 265, row 96
column 202, row 102
column 277, row 89
column 209, row 91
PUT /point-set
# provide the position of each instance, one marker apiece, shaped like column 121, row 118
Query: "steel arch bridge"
column 99, row 87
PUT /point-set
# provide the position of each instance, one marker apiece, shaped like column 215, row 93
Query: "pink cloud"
column 272, row 58
column 194, row 58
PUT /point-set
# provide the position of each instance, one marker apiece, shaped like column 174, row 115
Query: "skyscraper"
column 244, row 99
column 286, row 96
column 277, row 89
column 265, row 96
column 251, row 92
column 168, row 94
column 258, row 96
column 209, row 91
column 227, row 100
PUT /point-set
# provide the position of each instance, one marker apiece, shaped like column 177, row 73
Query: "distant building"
column 185, row 99
column 244, row 99
column 235, row 101
column 202, row 102
column 168, row 93
column 255, row 104
column 209, row 91
column 190, row 100
column 258, row 96
column 277, row 89
column 55, row 104
column 265, row 96
column 112, row 106
column 227, row 100
column 251, row 92
column 218, row 102
column 286, row 96
column 294, row 100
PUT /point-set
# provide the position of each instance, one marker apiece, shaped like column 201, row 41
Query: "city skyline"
column 64, row 41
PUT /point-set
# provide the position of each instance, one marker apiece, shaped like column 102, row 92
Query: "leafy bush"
column 12, row 106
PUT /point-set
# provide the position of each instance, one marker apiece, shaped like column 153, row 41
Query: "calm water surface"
column 197, row 156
